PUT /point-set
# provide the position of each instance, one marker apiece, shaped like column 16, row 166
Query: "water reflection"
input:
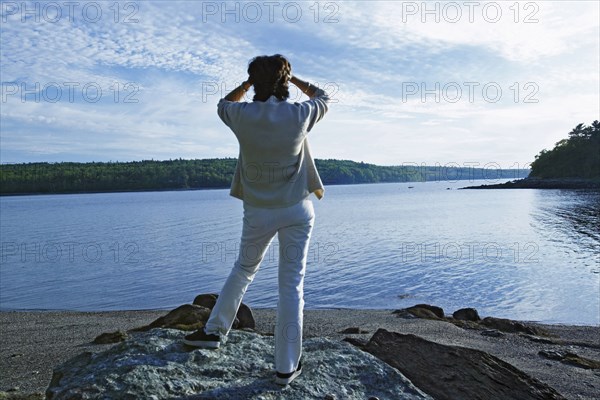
column 569, row 218
column 522, row 254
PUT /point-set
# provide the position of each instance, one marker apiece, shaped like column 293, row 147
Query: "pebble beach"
column 32, row 343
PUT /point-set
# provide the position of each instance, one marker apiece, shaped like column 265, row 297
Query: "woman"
column 274, row 177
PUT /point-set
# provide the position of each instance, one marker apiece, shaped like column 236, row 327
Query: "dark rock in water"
column 110, row 337
column 466, row 314
column 507, row 325
column 451, row 372
column 353, row 331
column 426, row 311
column 187, row 317
column 157, row 365
column 244, row 316
column 571, row 359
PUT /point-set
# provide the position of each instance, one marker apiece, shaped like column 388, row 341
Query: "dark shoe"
column 286, row 379
column 202, row 340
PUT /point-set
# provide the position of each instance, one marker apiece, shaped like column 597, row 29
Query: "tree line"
column 577, row 156
column 74, row 177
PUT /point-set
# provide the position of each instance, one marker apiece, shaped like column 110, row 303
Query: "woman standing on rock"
column 274, row 177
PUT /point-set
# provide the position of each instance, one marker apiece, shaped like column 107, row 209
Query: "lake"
column 525, row 254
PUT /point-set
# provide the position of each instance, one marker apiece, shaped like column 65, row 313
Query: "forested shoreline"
column 577, row 156
column 573, row 163
column 180, row 174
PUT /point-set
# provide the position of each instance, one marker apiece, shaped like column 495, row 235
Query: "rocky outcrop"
column 543, row 183
column 426, row 311
column 243, row 319
column 156, row 364
column 510, row 326
column 466, row 314
column 189, row 317
column 469, row 318
column 451, row 372
column 571, row 359
column 110, row 337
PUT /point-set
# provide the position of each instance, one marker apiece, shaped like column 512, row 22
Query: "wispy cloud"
column 162, row 66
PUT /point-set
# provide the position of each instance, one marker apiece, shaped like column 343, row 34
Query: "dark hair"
column 270, row 76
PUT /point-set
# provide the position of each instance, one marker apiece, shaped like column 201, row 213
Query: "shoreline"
column 228, row 187
column 32, row 343
column 543, row 183
column 268, row 309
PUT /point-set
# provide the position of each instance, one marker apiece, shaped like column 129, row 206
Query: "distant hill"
column 70, row 177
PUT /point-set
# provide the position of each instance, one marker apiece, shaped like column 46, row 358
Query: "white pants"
column 294, row 226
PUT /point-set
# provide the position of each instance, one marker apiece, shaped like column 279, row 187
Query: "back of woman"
column 274, row 177
column 275, row 165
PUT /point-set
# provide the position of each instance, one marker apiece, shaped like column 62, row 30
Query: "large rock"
column 187, row 317
column 466, row 314
column 190, row 317
column 571, row 359
column 426, row 311
column 244, row 316
column 110, row 337
column 510, row 326
column 451, row 372
column 469, row 318
column 157, row 365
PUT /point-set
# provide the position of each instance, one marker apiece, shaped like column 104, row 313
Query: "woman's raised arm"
column 239, row 92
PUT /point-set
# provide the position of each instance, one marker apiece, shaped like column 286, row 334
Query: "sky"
column 427, row 83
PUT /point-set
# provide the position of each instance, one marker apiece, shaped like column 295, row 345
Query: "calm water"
column 523, row 254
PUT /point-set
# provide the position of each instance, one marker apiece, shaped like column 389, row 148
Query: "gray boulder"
column 157, row 365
